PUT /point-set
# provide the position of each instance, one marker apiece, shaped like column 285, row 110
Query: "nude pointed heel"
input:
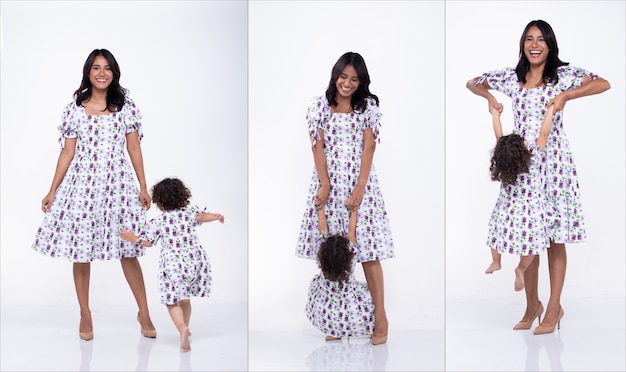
column 150, row 333
column 528, row 324
column 545, row 329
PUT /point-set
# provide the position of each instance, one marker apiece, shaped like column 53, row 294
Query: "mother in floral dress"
column 539, row 80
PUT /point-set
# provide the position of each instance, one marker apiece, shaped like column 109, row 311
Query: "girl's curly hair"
column 509, row 158
column 170, row 194
column 335, row 258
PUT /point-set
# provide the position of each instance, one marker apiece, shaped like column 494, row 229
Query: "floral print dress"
column 343, row 146
column 524, row 220
column 339, row 310
column 98, row 196
column 529, row 108
column 184, row 269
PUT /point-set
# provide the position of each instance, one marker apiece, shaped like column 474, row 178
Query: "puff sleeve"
column 69, row 124
column 571, row 77
column 504, row 81
column 316, row 115
column 371, row 118
column 132, row 118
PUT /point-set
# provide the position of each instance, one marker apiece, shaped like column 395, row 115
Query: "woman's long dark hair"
column 510, row 158
column 358, row 98
column 115, row 93
column 550, row 75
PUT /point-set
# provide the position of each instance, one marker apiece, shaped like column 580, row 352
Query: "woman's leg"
column 176, row 313
column 374, row 276
column 82, row 273
column 134, row 277
column 557, row 262
column 531, row 287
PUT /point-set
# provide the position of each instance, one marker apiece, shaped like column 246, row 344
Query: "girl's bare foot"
column 519, row 279
column 495, row 266
column 331, row 338
column 184, row 340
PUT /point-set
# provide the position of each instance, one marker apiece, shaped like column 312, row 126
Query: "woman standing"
column 93, row 194
column 539, row 80
column 344, row 128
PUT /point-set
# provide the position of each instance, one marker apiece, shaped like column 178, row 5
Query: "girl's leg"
column 134, row 277
column 524, row 261
column 176, row 313
column 374, row 276
column 82, row 273
column 185, row 305
column 531, row 282
column 495, row 262
column 557, row 262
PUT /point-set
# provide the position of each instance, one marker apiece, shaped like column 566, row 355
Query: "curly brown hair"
column 335, row 258
column 509, row 158
column 170, row 194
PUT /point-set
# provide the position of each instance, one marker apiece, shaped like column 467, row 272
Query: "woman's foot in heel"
column 149, row 331
column 85, row 329
column 380, row 332
column 543, row 328
column 526, row 324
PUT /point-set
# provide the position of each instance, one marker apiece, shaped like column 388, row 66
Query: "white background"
column 292, row 49
column 185, row 66
column 481, row 36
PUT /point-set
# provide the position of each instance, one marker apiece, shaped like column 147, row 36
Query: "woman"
column 344, row 127
column 541, row 80
column 93, row 194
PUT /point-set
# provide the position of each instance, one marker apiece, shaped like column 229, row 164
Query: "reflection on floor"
column 480, row 337
column 307, row 351
column 30, row 342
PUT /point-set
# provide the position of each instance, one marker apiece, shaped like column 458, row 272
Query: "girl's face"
column 348, row 82
column 100, row 74
column 535, row 47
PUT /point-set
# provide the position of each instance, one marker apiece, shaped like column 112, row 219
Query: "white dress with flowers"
column 98, row 196
column 529, row 108
column 343, row 146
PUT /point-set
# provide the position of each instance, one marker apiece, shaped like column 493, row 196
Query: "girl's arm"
column 322, row 171
column 497, row 124
column 367, row 157
column 352, row 226
column 588, row 87
column 482, row 90
column 321, row 220
column 63, row 163
column 134, row 151
column 130, row 236
column 546, row 125
column 210, row 217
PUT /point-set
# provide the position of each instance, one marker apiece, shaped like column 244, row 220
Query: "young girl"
column 338, row 304
column 523, row 219
column 184, row 269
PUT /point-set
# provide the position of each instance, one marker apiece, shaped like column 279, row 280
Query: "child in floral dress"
column 523, row 219
column 184, row 269
column 338, row 304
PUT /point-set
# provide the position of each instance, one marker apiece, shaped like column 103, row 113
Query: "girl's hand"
column 218, row 217
column 128, row 235
column 321, row 197
column 46, row 203
column 558, row 102
column 144, row 198
column 495, row 105
column 355, row 199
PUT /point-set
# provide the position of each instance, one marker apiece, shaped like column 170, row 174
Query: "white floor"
column 30, row 342
column 479, row 337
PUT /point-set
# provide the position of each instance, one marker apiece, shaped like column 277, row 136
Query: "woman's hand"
column 558, row 102
column 494, row 105
column 144, row 198
column 322, row 196
column 46, row 203
column 355, row 198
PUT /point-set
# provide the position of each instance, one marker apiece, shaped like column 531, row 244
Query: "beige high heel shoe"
column 150, row 333
column 379, row 340
column 528, row 324
column 544, row 329
column 88, row 335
